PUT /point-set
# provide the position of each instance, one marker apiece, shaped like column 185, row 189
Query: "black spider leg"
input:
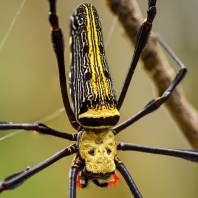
column 191, row 155
column 122, row 169
column 75, row 167
column 156, row 103
column 17, row 179
column 72, row 181
column 170, row 51
column 58, row 44
column 142, row 38
column 38, row 127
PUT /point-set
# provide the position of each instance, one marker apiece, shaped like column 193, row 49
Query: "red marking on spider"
column 80, row 180
column 114, row 180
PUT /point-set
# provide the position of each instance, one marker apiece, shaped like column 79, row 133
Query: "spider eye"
column 91, row 153
column 108, row 151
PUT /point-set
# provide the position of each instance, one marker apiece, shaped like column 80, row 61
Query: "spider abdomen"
column 92, row 92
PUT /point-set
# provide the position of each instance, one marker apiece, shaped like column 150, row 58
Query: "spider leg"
column 169, row 50
column 17, row 179
column 40, row 128
column 191, row 155
column 156, row 103
column 122, row 169
column 75, row 167
column 72, row 181
column 58, row 44
column 142, row 38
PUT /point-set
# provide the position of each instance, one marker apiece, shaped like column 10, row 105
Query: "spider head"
column 98, row 150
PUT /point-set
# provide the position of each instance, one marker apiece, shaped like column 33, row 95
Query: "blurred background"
column 29, row 91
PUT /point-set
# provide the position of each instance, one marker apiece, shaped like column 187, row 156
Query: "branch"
column 157, row 67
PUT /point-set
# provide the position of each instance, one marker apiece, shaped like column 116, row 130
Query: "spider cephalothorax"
column 98, row 150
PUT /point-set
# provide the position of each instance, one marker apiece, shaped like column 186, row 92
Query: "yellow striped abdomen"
column 92, row 92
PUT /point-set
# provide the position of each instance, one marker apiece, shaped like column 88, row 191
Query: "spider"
column 95, row 111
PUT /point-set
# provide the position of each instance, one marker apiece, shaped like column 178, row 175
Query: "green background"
column 29, row 91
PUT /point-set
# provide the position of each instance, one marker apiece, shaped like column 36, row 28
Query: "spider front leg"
column 129, row 180
column 17, row 179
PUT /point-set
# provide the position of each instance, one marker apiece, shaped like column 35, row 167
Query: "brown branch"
column 157, row 67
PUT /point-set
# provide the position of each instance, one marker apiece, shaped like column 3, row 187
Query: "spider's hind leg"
column 142, row 38
column 156, row 103
column 58, row 44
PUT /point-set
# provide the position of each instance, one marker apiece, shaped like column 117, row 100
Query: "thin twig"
column 157, row 67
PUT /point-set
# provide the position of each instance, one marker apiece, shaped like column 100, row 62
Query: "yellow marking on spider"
column 94, row 51
column 91, row 51
column 100, row 113
column 98, row 150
